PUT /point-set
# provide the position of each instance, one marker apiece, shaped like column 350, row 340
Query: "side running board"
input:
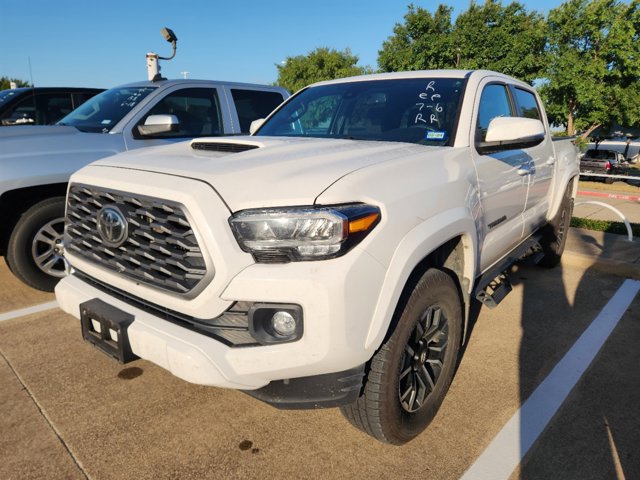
column 494, row 284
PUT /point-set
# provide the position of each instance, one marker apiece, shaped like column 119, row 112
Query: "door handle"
column 522, row 171
column 551, row 161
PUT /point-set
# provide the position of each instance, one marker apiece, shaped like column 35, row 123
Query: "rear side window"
column 527, row 105
column 600, row 154
column 254, row 104
column 494, row 102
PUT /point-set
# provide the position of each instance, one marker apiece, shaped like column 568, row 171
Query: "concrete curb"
column 617, row 196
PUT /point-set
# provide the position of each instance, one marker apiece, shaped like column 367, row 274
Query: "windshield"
column 6, row 95
column 413, row 110
column 101, row 113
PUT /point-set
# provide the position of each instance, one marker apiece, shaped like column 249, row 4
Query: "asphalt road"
column 70, row 412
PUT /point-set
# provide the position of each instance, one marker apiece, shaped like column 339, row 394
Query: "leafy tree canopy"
column 488, row 36
column 5, row 83
column 320, row 64
column 593, row 59
column 424, row 41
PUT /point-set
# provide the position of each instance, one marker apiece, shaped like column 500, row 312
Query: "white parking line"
column 28, row 311
column 515, row 439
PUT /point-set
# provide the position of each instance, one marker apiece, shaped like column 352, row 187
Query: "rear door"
column 541, row 164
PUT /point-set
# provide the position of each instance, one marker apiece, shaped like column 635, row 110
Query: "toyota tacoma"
column 329, row 259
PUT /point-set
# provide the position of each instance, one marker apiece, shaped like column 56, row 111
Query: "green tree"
column 488, row 36
column 592, row 79
column 320, row 64
column 508, row 39
column 422, row 42
column 5, row 83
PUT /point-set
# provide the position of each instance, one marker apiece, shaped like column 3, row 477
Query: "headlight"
column 278, row 235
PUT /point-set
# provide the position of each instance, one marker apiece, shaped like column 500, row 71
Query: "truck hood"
column 35, row 130
column 274, row 171
column 37, row 155
column 50, row 139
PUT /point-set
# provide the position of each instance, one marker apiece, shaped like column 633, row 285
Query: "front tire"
column 411, row 373
column 34, row 251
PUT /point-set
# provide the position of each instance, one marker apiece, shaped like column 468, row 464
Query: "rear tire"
column 411, row 373
column 554, row 234
column 34, row 251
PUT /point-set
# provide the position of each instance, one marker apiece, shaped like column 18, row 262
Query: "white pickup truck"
column 329, row 259
column 36, row 161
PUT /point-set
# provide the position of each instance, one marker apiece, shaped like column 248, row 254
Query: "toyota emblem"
column 112, row 226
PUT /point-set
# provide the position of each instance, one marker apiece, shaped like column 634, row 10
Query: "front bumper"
column 336, row 297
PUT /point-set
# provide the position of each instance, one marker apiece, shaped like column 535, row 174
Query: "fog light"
column 271, row 323
column 283, row 323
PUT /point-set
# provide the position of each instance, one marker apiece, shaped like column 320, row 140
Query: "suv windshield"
column 6, row 95
column 102, row 112
column 413, row 110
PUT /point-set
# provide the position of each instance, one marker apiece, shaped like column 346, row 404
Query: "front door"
column 502, row 182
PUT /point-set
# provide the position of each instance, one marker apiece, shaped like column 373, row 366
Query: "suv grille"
column 160, row 248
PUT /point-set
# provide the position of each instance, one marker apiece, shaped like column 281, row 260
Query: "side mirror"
column 155, row 124
column 509, row 133
column 255, row 125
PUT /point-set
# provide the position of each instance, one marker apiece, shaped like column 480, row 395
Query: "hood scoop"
column 226, row 147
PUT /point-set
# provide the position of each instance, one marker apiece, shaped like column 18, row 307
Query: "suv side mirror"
column 155, row 124
column 509, row 133
column 255, row 125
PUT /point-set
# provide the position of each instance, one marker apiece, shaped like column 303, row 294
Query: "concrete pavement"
column 605, row 252
column 71, row 412
column 626, row 200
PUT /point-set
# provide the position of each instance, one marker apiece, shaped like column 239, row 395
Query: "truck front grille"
column 158, row 249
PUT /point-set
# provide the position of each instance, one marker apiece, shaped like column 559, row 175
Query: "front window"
column 101, row 113
column 196, row 109
column 494, row 103
column 412, row 110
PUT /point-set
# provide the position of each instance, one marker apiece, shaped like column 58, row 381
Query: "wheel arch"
column 13, row 203
column 451, row 247
column 568, row 179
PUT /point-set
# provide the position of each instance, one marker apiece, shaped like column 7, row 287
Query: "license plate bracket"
column 105, row 327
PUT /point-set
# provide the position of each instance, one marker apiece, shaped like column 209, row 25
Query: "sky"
column 103, row 44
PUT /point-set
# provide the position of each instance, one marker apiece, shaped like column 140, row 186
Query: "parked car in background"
column 36, row 162
column 628, row 147
column 41, row 105
column 602, row 162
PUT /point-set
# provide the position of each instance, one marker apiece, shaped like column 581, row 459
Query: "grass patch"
column 618, row 228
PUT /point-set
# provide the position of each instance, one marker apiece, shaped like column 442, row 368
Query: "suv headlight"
column 279, row 235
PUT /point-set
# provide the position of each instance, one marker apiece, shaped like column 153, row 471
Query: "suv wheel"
column 34, row 252
column 411, row 373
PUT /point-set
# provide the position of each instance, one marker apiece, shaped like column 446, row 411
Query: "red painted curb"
column 617, row 196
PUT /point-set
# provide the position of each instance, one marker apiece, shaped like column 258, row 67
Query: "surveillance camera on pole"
column 153, row 68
